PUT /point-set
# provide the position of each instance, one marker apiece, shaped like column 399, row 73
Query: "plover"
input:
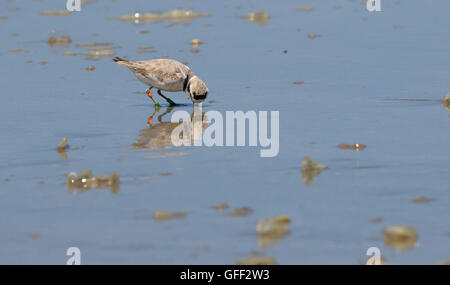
column 168, row 75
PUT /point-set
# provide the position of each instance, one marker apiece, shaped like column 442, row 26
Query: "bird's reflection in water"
column 158, row 135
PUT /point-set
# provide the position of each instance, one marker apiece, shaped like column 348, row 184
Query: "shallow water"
column 357, row 73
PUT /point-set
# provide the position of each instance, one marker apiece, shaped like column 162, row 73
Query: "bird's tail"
column 123, row 62
column 118, row 59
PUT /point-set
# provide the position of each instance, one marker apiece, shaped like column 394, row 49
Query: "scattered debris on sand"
column 305, row 9
column 274, row 226
column 59, row 41
column 196, row 43
column 93, row 44
column 164, row 154
column 62, row 146
column 220, row 207
column 256, row 259
column 33, row 235
column 174, row 16
column 422, row 200
column 162, row 216
column 55, row 13
column 69, row 53
column 146, row 49
column 376, row 220
column 244, row 211
column 271, row 230
column 446, row 102
column 399, row 237
column 259, row 17
column 311, row 169
column 98, row 52
column 84, row 180
column 356, row 146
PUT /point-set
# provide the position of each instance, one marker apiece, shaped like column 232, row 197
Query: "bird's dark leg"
column 168, row 110
column 167, row 99
column 151, row 96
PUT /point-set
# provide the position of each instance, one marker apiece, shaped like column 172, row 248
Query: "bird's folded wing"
column 165, row 73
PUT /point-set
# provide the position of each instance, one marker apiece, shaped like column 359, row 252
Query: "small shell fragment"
column 400, row 237
column 446, row 102
column 422, row 200
column 258, row 17
column 356, row 146
column 244, row 211
column 196, row 43
column 63, row 144
column 305, row 9
column 55, row 13
column 220, row 207
column 162, row 216
column 310, row 169
column 376, row 220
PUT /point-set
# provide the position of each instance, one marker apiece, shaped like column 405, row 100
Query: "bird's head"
column 197, row 90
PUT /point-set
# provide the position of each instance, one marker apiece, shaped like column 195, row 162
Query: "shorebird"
column 168, row 75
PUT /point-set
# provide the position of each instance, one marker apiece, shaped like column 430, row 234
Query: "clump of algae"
column 399, row 237
column 59, row 41
column 84, row 180
column 271, row 230
column 311, row 169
